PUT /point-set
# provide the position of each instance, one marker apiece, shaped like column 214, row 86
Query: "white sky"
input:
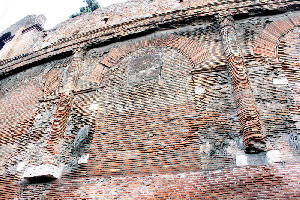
column 55, row 11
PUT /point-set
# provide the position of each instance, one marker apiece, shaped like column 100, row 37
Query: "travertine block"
column 280, row 81
column 43, row 171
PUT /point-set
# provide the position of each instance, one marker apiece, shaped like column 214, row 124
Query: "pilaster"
column 253, row 137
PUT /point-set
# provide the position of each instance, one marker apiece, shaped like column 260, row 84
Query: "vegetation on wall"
column 91, row 6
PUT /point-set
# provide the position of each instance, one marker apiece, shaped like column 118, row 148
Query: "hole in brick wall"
column 41, row 179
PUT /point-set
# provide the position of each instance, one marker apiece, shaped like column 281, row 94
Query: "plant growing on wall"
column 91, row 6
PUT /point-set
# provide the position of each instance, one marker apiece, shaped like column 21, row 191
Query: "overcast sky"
column 55, row 11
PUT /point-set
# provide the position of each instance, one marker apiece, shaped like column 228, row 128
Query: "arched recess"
column 280, row 40
column 289, row 76
column 195, row 52
column 152, row 126
column 267, row 42
column 289, row 58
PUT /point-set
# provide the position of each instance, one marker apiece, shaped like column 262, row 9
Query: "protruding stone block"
column 262, row 158
column 42, row 173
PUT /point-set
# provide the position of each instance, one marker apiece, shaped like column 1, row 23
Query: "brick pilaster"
column 64, row 107
column 253, row 137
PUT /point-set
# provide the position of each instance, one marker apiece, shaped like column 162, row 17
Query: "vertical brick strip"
column 253, row 137
column 60, row 122
column 64, row 105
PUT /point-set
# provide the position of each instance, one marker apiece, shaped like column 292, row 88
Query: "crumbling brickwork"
column 161, row 100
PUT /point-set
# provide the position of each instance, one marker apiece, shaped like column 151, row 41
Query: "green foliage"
column 91, row 6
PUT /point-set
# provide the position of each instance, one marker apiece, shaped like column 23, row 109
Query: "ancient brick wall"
column 263, row 182
column 206, row 105
column 25, row 36
column 272, row 77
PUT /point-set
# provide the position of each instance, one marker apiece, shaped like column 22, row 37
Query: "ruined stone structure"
column 153, row 99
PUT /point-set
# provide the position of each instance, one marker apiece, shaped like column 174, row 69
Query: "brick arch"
column 267, row 42
column 195, row 52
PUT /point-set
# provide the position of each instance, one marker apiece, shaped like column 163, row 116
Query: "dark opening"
column 41, row 179
column 3, row 38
